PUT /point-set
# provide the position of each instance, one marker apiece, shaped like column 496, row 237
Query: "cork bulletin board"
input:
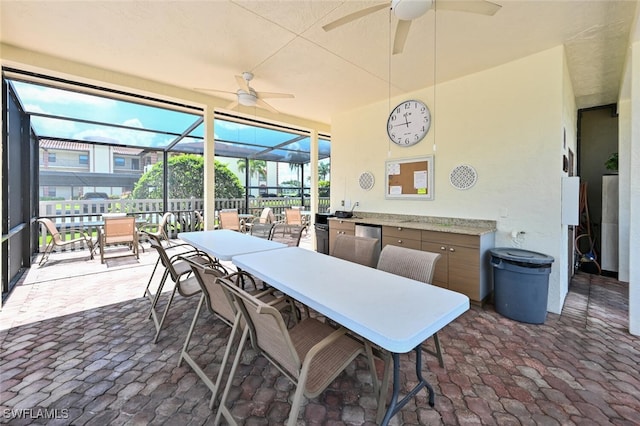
column 409, row 178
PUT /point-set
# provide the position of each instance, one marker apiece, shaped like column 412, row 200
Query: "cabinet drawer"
column 342, row 225
column 450, row 238
column 402, row 242
column 400, row 232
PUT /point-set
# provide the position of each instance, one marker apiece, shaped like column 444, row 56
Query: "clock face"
column 409, row 123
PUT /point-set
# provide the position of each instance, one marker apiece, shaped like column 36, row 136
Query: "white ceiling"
column 196, row 44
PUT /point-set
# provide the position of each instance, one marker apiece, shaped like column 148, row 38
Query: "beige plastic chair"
column 362, row 250
column 159, row 229
column 219, row 305
column 179, row 272
column 311, row 354
column 57, row 241
column 119, row 230
column 229, row 219
column 415, row 264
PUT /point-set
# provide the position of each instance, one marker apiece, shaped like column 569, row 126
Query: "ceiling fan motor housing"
column 247, row 98
column 408, row 10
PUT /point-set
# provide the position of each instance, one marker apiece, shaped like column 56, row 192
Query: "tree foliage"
column 186, row 179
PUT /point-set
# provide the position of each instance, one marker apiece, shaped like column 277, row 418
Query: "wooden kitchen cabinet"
column 400, row 236
column 337, row 227
column 463, row 265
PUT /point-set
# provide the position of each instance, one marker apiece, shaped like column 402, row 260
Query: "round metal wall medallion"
column 463, row 176
column 366, row 180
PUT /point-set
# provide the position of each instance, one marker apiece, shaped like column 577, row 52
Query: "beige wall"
column 507, row 123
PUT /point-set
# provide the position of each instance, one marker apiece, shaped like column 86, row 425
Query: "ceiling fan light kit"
column 410, row 9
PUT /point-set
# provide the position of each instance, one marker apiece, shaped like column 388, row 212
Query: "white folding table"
column 224, row 243
column 391, row 311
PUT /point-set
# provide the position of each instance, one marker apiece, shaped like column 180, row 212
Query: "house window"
column 52, row 157
column 135, row 164
column 118, row 161
column 83, row 159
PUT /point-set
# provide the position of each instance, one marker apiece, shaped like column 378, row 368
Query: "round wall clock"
column 409, row 123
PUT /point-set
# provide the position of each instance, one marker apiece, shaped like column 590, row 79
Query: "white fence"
column 69, row 214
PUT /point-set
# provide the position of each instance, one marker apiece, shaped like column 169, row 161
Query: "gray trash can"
column 521, row 284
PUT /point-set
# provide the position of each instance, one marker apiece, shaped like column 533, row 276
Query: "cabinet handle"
column 443, row 248
column 452, row 249
column 399, row 241
column 399, row 228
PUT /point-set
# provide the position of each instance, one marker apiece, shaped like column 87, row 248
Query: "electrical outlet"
column 357, row 203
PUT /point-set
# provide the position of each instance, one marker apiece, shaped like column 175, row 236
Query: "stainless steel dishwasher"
column 371, row 231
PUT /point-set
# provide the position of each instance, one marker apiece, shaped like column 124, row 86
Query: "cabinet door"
column 337, row 227
column 464, row 271
column 441, row 274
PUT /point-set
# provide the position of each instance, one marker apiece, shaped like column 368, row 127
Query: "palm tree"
column 323, row 170
column 257, row 168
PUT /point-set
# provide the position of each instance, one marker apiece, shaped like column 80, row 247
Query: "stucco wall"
column 507, row 123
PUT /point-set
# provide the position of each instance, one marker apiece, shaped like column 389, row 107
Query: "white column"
column 209, row 169
column 313, row 169
column 634, row 194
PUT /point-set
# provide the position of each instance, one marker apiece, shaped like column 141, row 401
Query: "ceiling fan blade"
column 402, row 31
column 481, row 7
column 263, row 104
column 213, row 90
column 266, row 95
column 242, row 83
column 355, row 15
column 233, row 104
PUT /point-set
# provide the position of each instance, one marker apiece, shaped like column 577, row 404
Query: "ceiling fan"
column 408, row 10
column 247, row 96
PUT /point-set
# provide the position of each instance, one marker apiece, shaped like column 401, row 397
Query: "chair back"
column 262, row 230
column 163, row 257
column 293, row 217
column 217, row 301
column 229, row 219
column 267, row 216
column 362, row 250
column 410, row 263
column 120, row 229
column 199, row 225
column 51, row 229
column 267, row 327
column 287, row 234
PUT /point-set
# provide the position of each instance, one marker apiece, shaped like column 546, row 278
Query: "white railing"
column 69, row 214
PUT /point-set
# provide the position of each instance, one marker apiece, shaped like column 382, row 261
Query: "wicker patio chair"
column 311, row 354
column 362, row 250
column 57, row 241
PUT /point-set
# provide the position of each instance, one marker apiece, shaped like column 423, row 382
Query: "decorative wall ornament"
column 463, row 176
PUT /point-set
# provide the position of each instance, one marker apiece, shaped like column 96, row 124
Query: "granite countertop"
column 425, row 223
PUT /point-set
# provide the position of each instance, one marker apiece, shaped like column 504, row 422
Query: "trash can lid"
column 522, row 256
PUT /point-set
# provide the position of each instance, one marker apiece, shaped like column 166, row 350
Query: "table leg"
column 397, row 404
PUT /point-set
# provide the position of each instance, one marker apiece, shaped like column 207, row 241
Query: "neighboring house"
column 70, row 169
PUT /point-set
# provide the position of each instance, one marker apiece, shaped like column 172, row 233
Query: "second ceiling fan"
column 408, row 10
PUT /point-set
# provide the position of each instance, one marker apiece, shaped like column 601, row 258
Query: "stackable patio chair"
column 119, row 230
column 287, row 234
column 159, row 229
column 311, row 354
column 415, row 264
column 220, row 306
column 57, row 241
column 179, row 271
column 229, row 219
column 362, row 250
